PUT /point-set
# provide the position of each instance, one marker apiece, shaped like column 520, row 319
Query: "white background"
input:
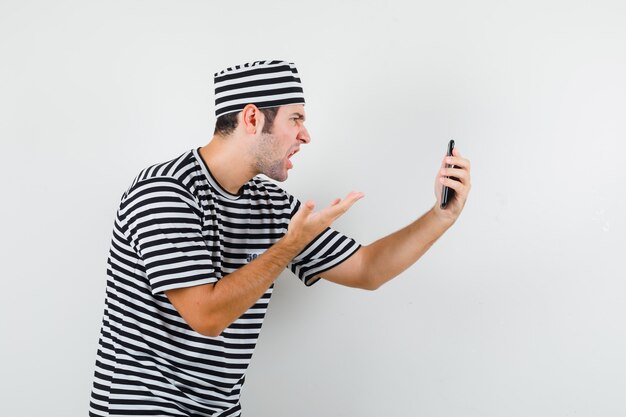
column 519, row 310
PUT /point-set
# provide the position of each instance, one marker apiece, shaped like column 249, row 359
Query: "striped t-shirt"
column 177, row 227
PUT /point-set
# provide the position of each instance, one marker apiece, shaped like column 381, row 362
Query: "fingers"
column 352, row 198
column 462, row 174
column 458, row 161
column 336, row 207
column 457, row 167
column 304, row 211
column 455, row 173
column 449, row 182
column 457, row 179
column 347, row 202
column 455, row 159
column 339, row 207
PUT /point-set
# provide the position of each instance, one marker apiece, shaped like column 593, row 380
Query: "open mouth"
column 295, row 151
column 292, row 153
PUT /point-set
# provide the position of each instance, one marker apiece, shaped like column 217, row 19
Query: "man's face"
column 274, row 150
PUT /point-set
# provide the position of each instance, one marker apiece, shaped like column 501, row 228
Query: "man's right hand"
column 306, row 224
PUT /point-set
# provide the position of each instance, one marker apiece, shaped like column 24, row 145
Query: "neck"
column 228, row 163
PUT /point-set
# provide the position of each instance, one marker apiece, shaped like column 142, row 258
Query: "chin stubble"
column 274, row 169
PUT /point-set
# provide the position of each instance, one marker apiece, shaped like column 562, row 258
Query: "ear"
column 252, row 119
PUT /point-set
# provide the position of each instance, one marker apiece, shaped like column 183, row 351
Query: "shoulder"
column 173, row 177
column 182, row 170
column 176, row 169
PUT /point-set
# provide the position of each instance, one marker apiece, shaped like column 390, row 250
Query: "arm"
column 210, row 308
column 373, row 265
column 379, row 262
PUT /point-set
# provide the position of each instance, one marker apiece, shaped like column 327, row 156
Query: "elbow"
column 374, row 281
column 367, row 278
column 371, row 284
column 209, row 328
column 210, row 331
column 198, row 310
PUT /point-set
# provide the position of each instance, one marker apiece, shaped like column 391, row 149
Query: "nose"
column 303, row 135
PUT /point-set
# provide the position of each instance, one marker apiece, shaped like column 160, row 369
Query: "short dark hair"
column 227, row 123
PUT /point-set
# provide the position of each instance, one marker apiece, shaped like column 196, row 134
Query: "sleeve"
column 327, row 250
column 163, row 224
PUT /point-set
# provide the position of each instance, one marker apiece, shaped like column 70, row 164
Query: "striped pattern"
column 262, row 83
column 176, row 227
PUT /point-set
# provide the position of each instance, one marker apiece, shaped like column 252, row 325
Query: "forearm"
column 235, row 293
column 209, row 309
column 388, row 257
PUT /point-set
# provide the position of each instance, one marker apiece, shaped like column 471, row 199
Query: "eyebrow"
column 300, row 115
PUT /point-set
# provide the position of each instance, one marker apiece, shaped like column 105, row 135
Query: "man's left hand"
column 461, row 184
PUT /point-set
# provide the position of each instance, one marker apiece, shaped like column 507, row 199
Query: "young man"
column 199, row 240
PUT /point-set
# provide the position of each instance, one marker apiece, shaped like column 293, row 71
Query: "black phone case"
column 447, row 193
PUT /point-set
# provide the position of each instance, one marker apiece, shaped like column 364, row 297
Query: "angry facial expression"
column 274, row 150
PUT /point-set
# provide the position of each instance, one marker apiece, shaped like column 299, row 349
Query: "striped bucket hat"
column 262, row 83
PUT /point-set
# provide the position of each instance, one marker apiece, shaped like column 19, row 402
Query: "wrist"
column 442, row 217
column 290, row 245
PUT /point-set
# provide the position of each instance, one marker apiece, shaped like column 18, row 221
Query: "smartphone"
column 447, row 193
